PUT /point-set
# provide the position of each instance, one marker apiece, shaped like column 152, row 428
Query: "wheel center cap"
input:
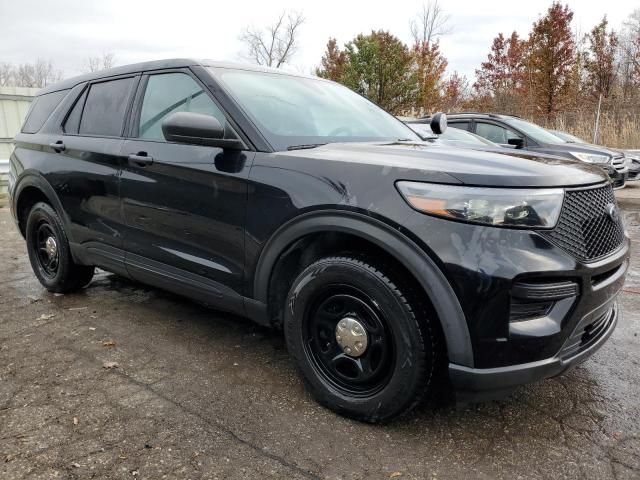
column 51, row 246
column 351, row 336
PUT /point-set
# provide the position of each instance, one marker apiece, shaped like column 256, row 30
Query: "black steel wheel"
column 365, row 366
column 46, row 245
column 362, row 342
column 49, row 252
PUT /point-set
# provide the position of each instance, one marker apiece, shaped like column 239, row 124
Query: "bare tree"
column 631, row 39
column 6, row 74
column 429, row 24
column 93, row 64
column 38, row 74
column 629, row 55
column 276, row 44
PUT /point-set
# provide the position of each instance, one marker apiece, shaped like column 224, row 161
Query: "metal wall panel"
column 14, row 104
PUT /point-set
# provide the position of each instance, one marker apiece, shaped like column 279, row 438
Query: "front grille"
column 589, row 226
column 618, row 162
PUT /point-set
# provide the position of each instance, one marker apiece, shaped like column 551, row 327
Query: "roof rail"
column 489, row 114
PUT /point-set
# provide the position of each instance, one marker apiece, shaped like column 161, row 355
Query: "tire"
column 52, row 262
column 392, row 373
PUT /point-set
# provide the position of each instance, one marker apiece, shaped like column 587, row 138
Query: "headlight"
column 591, row 157
column 513, row 207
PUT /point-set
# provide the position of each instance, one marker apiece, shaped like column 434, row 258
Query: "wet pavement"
column 193, row 393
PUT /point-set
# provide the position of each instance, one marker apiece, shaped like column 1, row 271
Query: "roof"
column 122, row 70
column 159, row 65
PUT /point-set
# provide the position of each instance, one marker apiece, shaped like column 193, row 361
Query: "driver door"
column 184, row 206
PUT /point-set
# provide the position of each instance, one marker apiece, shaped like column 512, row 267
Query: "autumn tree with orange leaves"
column 551, row 56
column 333, row 62
column 430, row 66
column 502, row 75
column 427, row 26
column 551, row 72
column 455, row 90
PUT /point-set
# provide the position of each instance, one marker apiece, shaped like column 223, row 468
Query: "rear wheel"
column 49, row 253
column 361, row 342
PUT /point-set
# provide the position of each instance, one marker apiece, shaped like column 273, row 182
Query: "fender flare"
column 414, row 259
column 35, row 179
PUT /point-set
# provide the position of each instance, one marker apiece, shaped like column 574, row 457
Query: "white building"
column 14, row 104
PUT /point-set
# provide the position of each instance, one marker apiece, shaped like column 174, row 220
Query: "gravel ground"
column 193, row 393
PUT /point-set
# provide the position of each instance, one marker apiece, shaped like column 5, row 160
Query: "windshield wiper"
column 305, row 146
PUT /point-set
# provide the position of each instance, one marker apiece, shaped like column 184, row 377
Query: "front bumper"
column 618, row 177
column 527, row 302
column 477, row 384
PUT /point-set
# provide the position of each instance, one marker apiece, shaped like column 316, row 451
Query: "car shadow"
column 571, row 389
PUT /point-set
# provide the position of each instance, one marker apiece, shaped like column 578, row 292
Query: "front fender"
column 423, row 268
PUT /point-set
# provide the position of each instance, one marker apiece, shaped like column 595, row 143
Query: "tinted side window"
column 105, row 108
column 41, row 109
column 495, row 133
column 72, row 124
column 460, row 125
column 168, row 93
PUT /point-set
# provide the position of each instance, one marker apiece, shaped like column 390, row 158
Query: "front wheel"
column 49, row 253
column 362, row 343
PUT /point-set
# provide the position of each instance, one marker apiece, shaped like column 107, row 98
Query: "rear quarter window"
column 41, row 110
column 105, row 108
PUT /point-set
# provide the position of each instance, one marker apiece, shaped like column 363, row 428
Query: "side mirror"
column 439, row 123
column 197, row 129
column 516, row 142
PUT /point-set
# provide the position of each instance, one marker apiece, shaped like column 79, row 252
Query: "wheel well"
column 312, row 247
column 27, row 199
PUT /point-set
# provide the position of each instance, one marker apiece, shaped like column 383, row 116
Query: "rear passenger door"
column 184, row 205
column 90, row 147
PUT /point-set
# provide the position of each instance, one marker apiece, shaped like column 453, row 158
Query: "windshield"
column 452, row 136
column 534, row 131
column 293, row 112
column 422, row 129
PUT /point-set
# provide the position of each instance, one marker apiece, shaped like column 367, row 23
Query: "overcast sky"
column 68, row 31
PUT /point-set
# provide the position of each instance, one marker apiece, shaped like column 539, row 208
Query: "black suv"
column 295, row 202
column 513, row 131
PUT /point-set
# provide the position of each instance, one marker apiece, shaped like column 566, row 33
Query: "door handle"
column 141, row 159
column 57, row 146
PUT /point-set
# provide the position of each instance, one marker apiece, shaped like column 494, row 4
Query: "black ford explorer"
column 298, row 203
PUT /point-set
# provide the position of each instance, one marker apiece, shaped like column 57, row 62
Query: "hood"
column 633, row 154
column 460, row 166
column 513, row 152
column 565, row 148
